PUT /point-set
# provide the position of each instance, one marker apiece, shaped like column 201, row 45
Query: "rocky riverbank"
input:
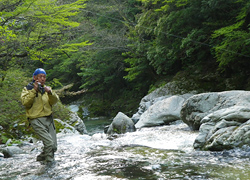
column 222, row 118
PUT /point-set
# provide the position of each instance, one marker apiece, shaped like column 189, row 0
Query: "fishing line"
column 168, row 34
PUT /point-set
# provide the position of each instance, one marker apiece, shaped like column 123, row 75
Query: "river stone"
column 166, row 91
column 222, row 129
column 11, row 150
column 121, row 124
column 78, row 123
column 162, row 112
column 230, row 135
column 198, row 106
column 67, row 129
column 236, row 113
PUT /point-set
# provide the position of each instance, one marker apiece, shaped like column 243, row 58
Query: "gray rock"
column 67, row 129
column 198, row 106
column 220, row 118
column 78, row 124
column 11, row 151
column 8, row 142
column 162, row 112
column 170, row 89
column 224, row 135
column 234, row 113
column 121, row 124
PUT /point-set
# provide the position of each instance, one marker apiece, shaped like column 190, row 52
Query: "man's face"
column 40, row 78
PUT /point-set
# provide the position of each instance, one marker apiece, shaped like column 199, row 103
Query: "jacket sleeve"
column 53, row 98
column 27, row 97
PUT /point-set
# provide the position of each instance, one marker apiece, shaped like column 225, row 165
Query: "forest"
column 111, row 53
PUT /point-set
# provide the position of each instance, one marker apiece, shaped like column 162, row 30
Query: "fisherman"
column 38, row 100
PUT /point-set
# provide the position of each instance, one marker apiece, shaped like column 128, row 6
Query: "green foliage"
column 59, row 127
column 102, row 66
column 61, row 112
column 178, row 34
column 39, row 27
column 6, row 33
column 54, row 83
column 12, row 112
column 235, row 37
column 4, row 138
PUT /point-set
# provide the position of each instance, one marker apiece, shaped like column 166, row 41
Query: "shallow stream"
column 156, row 153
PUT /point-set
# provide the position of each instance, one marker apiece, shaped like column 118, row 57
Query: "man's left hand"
column 48, row 89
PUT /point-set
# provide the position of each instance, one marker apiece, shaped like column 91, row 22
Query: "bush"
column 61, row 112
column 12, row 112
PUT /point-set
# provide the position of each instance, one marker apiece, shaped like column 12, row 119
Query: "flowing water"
column 156, row 153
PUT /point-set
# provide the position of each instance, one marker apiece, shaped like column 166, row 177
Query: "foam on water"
column 164, row 152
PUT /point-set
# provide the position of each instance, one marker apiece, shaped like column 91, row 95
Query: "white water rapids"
column 156, row 153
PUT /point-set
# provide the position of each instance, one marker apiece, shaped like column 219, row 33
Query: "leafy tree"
column 12, row 111
column 234, row 38
column 171, row 36
column 34, row 30
column 102, row 66
column 152, row 51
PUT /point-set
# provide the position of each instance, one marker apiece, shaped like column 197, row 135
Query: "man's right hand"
column 36, row 85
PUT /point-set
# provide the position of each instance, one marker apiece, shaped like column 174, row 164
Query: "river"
column 155, row 153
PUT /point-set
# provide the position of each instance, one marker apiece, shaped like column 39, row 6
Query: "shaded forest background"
column 108, row 54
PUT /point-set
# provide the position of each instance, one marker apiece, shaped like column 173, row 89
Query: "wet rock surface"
column 162, row 112
column 121, row 124
column 222, row 119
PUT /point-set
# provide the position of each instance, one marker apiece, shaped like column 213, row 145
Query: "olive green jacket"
column 36, row 104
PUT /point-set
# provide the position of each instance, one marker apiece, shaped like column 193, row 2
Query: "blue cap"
column 39, row 71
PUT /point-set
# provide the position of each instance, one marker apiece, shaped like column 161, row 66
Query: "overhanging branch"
column 14, row 55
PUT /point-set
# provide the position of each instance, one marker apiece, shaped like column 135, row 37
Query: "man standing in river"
column 38, row 100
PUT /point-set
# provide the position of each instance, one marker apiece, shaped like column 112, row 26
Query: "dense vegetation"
column 110, row 53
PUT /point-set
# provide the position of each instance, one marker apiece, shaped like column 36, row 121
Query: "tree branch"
column 14, row 55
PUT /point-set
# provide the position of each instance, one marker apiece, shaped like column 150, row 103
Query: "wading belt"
column 51, row 121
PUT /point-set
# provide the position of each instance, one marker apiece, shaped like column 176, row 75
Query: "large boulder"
column 162, row 112
column 170, row 89
column 198, row 106
column 121, row 124
column 224, row 129
column 222, row 119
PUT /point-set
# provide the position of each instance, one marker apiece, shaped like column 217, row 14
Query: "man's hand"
column 48, row 89
column 36, row 85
